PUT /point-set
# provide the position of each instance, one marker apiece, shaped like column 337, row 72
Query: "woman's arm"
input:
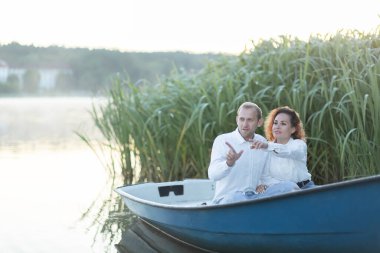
column 294, row 149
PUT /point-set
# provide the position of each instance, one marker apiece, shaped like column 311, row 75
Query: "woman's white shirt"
column 287, row 162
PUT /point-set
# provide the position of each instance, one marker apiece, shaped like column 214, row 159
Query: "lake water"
column 48, row 176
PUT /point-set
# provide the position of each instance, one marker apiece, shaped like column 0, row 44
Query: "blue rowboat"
column 338, row 217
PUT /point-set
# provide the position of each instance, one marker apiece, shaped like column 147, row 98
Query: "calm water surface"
column 48, row 176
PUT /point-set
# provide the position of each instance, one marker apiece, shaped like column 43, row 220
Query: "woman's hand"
column 258, row 144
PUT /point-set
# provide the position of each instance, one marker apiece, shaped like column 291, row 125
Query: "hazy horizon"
column 213, row 26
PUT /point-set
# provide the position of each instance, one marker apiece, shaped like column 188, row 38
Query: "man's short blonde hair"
column 248, row 105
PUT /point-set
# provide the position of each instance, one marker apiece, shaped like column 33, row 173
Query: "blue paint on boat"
column 339, row 217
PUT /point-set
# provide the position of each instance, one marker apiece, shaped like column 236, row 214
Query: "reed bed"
column 165, row 131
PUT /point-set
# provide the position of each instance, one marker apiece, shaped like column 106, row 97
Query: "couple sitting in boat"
column 244, row 165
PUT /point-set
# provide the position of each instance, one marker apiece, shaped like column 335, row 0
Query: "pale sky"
column 197, row 26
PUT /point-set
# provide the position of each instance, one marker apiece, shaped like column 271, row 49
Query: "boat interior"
column 189, row 192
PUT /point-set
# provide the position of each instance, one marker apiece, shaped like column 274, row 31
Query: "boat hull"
column 342, row 217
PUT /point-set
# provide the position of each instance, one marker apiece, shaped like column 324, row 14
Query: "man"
column 234, row 166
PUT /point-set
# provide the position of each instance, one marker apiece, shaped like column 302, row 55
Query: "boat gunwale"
column 319, row 188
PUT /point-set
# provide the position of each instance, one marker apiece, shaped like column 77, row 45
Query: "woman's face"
column 282, row 129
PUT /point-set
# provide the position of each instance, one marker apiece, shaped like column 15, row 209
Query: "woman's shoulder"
column 297, row 142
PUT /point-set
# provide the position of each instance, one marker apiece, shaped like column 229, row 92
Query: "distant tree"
column 92, row 69
column 65, row 82
column 11, row 86
column 31, row 81
column 13, row 83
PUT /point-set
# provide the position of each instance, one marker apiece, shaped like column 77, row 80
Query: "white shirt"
column 287, row 162
column 247, row 170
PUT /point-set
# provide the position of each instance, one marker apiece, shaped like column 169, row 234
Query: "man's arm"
column 223, row 158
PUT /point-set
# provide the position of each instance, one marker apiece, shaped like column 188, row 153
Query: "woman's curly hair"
column 295, row 122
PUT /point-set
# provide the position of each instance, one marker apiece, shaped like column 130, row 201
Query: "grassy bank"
column 165, row 132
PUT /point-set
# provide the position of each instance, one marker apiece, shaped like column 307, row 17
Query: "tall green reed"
column 165, row 131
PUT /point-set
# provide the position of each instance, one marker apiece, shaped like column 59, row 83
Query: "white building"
column 48, row 77
column 3, row 71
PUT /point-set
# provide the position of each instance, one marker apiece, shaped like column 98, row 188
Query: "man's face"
column 247, row 122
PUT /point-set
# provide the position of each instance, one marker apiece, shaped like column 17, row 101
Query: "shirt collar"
column 238, row 136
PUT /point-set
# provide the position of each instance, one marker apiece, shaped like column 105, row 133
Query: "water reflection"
column 143, row 237
column 48, row 177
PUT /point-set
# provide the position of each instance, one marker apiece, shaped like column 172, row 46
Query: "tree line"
column 91, row 71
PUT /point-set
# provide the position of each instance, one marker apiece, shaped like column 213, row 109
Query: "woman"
column 286, row 169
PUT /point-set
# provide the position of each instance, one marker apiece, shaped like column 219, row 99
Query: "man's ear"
column 261, row 122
